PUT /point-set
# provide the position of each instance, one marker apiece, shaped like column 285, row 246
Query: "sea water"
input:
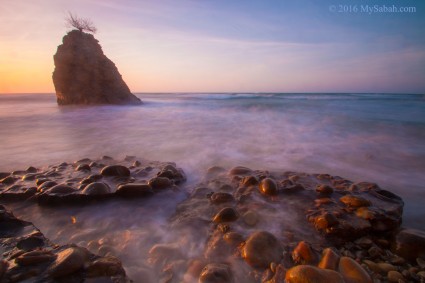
column 362, row 137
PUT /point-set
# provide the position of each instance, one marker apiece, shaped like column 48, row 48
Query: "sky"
column 225, row 45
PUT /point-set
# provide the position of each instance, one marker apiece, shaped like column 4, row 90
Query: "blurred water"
column 363, row 137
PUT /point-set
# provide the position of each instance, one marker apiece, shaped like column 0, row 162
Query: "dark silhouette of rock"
column 84, row 75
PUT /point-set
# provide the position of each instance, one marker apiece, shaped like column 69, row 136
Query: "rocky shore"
column 235, row 225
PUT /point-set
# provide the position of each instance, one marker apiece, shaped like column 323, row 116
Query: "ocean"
column 362, row 137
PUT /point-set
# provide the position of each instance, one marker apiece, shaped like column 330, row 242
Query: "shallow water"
column 362, row 137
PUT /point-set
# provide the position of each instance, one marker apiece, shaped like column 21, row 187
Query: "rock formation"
column 84, row 75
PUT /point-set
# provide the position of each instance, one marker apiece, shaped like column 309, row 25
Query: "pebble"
column 105, row 266
column 34, row 258
column 420, row 262
column 352, row 272
column 160, row 183
column 134, row 190
column 329, row 259
column 304, row 254
column 261, row 249
column 240, row 170
column 115, row 170
column 354, row 201
column 395, row 276
column 221, row 197
column 249, row 181
column 386, row 267
column 83, row 167
column 324, row 189
column 325, row 220
column 268, row 187
column 227, row 214
column 310, row 274
column 250, row 218
column 96, row 188
column 410, row 244
column 68, row 261
column 233, row 238
column 8, row 180
column 60, row 189
column 216, row 273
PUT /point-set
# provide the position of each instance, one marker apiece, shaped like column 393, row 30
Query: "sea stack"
column 84, row 75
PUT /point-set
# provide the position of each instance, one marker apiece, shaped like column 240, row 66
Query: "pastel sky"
column 224, row 46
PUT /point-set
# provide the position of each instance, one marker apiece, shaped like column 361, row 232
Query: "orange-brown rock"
column 310, row 274
column 84, row 75
column 352, row 272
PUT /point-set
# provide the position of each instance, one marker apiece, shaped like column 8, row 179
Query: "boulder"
column 84, row 75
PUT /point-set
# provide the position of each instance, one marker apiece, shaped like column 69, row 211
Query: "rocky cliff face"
column 84, row 75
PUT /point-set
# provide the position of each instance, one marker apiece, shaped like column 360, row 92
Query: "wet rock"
column 251, row 218
column 324, row 189
column 233, row 238
column 34, row 258
column 115, row 171
column 304, row 254
column 220, row 197
column 354, row 201
column 83, row 167
column 395, row 276
column 159, row 183
column 308, row 273
column 105, row 266
column 249, row 181
column 29, row 177
column 161, row 254
column 4, row 175
column 240, row 170
column 61, row 189
column 30, row 243
column 8, row 180
column 227, row 214
column 31, row 169
column 409, row 244
column 216, row 273
column 84, row 75
column 46, row 185
column 386, row 267
column 261, row 249
column 96, row 189
column 134, row 190
column 352, row 272
column 268, row 187
column 330, row 259
column 68, row 261
column 325, row 221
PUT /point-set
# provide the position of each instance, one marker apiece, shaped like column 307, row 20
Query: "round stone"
column 352, row 272
column 134, row 190
column 220, row 197
column 354, row 201
column 261, row 249
column 160, row 183
column 227, row 214
column 308, row 273
column 68, row 261
column 395, row 276
column 60, row 189
column 115, row 170
column 268, row 187
column 216, row 273
column 96, row 188
column 240, row 170
column 324, row 189
column 329, row 259
column 250, row 218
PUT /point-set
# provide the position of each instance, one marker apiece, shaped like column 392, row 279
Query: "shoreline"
column 305, row 214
